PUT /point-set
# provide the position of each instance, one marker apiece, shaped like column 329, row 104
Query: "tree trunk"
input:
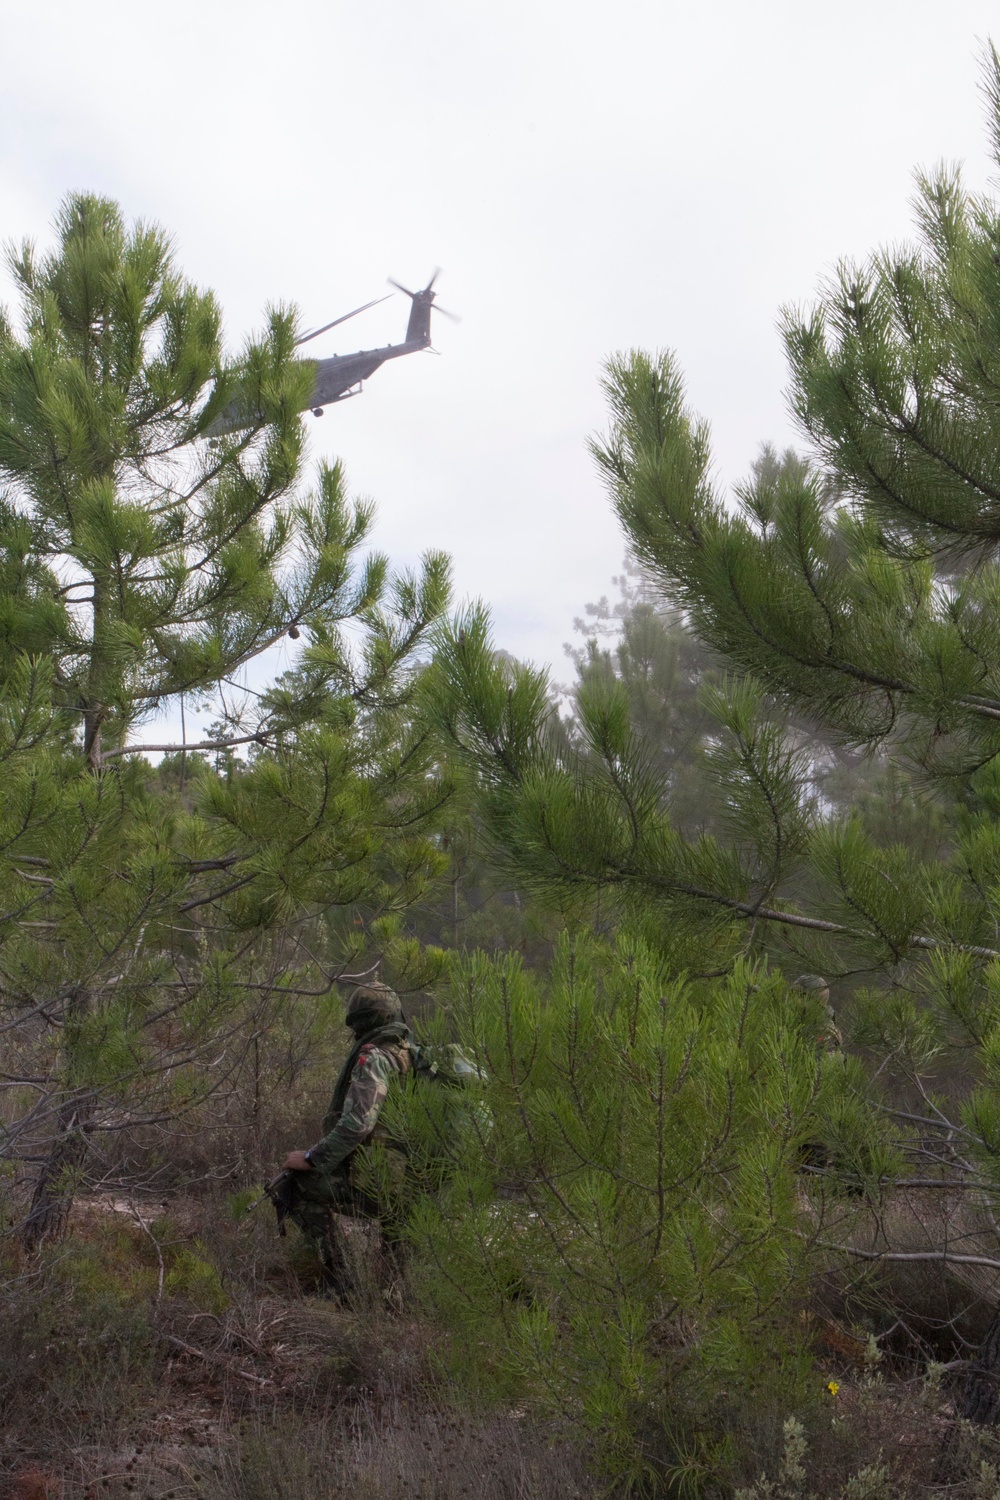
column 52, row 1198
column 980, row 1398
column 976, row 1402
column 94, row 705
column 53, row 1195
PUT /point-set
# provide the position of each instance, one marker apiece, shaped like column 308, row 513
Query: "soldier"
column 357, row 1168
column 819, row 1015
column 819, row 1026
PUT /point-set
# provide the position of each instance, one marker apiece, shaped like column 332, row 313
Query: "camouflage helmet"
column 811, row 984
column 372, row 1005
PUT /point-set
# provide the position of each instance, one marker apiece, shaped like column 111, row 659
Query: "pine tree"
column 859, row 591
column 862, row 613
column 617, row 1239
column 642, row 644
column 142, row 561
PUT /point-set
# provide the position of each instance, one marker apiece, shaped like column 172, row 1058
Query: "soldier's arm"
column 369, row 1086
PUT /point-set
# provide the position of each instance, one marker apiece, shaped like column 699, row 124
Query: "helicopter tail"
column 418, row 329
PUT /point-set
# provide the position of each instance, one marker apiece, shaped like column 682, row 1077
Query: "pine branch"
column 259, row 738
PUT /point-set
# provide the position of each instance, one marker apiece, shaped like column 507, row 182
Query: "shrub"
column 618, row 1238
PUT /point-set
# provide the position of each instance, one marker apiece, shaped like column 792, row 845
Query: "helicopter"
column 342, row 375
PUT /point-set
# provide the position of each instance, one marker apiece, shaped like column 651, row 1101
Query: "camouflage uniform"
column 820, row 1018
column 357, row 1168
column 820, row 1027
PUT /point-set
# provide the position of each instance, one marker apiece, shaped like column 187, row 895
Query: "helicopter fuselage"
column 337, row 376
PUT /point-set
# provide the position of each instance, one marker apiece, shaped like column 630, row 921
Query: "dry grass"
column 179, row 1350
column 392, row 1450
column 920, row 1309
column 190, row 1355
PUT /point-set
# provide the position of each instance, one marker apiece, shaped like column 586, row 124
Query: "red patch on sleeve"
column 362, row 1060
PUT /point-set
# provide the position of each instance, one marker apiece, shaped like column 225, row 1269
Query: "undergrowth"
column 190, row 1353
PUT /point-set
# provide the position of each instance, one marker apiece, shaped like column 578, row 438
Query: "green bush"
column 618, row 1237
column 193, row 1276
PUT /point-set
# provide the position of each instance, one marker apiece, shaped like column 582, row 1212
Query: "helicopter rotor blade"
column 315, row 333
column 428, row 292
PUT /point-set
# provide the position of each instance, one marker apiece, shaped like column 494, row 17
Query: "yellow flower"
column 833, row 1386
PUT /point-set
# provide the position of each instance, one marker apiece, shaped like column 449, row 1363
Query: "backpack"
column 445, row 1102
column 446, row 1065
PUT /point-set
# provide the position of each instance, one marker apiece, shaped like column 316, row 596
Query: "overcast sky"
column 590, row 176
